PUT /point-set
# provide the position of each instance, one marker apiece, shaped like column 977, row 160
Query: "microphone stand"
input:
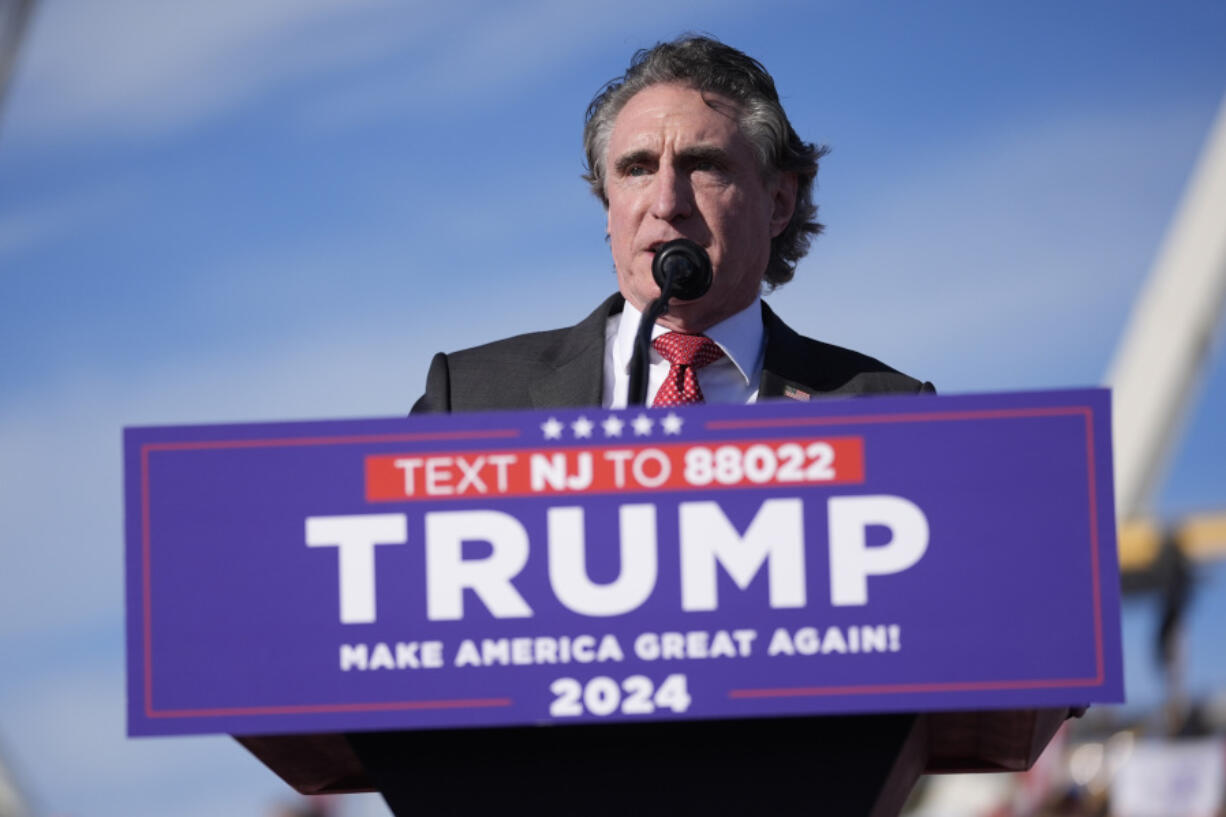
column 636, row 394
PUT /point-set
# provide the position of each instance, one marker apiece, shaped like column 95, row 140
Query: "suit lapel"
column 785, row 368
column 577, row 378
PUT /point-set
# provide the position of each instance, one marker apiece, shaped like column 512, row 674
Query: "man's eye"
column 637, row 170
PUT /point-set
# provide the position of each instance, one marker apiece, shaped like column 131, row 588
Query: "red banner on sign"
column 614, row 469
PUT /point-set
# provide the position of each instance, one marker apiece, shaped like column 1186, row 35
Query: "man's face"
column 678, row 166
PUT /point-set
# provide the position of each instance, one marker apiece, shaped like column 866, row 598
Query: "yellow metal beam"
column 1201, row 537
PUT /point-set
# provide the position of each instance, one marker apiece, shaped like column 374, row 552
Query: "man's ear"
column 783, row 202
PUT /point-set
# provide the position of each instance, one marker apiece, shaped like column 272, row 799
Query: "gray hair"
column 709, row 66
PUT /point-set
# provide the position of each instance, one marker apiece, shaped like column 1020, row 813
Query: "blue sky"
column 279, row 209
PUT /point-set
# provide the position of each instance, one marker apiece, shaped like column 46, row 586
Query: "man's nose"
column 673, row 197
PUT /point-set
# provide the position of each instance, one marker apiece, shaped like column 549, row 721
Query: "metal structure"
column 12, row 804
column 1166, row 343
column 14, row 17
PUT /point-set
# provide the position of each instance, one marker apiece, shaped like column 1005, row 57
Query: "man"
column 692, row 142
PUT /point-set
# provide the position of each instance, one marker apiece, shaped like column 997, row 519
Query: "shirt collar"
column 740, row 336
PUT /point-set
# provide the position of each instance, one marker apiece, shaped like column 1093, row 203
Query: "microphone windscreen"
column 686, row 266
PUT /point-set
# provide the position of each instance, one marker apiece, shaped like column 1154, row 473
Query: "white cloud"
column 1003, row 263
column 559, row 30
column 39, row 222
column 133, row 67
column 136, row 68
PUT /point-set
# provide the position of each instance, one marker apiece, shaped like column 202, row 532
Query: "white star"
column 612, row 426
column 642, row 425
column 671, row 423
column 582, row 428
column 552, row 429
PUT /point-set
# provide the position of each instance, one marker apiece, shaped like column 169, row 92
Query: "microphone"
column 684, row 264
column 682, row 269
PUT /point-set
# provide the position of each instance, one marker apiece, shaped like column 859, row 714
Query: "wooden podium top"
column 984, row 741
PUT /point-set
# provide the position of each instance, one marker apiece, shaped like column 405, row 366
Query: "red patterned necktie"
column 687, row 353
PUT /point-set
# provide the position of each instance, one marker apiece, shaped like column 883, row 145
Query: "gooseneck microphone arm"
column 682, row 270
column 636, row 394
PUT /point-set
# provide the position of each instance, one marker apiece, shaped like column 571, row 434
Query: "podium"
column 846, row 765
column 637, row 612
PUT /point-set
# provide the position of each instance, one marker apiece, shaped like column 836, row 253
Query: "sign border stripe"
column 1087, row 412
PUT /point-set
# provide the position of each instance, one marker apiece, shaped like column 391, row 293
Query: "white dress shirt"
column 733, row 378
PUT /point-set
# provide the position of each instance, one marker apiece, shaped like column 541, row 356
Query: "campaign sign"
column 587, row 565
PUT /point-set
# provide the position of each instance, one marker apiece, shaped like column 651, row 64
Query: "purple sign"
column 580, row 565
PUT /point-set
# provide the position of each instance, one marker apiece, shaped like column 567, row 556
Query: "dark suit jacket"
column 565, row 367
